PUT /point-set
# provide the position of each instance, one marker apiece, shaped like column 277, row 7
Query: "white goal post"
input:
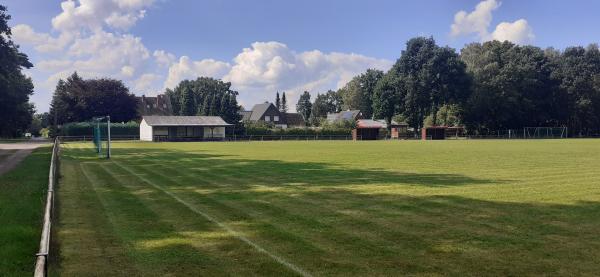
column 99, row 136
column 544, row 132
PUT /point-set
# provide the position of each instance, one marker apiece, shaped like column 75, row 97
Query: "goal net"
column 544, row 132
column 102, row 136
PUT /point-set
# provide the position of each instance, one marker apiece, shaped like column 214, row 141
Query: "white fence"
column 41, row 265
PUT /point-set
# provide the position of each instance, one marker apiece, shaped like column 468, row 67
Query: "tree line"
column 16, row 112
column 486, row 87
column 205, row 96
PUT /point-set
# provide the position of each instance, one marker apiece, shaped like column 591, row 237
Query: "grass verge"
column 22, row 197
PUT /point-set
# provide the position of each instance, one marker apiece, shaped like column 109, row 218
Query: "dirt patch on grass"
column 13, row 158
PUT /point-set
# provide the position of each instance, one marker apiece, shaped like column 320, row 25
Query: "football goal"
column 544, row 132
column 102, row 136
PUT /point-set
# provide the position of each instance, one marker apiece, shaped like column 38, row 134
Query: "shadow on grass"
column 334, row 231
column 411, row 235
column 280, row 173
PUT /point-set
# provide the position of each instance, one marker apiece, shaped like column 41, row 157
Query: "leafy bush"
column 258, row 128
column 340, row 124
column 264, row 129
column 131, row 128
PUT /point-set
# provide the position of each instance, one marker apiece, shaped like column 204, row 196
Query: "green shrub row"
column 264, row 129
column 87, row 129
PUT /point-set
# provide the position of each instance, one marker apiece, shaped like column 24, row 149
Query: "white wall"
column 145, row 131
column 217, row 132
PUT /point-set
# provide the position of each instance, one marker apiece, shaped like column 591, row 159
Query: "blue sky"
column 264, row 46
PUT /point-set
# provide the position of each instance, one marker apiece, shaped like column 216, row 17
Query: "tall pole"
column 108, row 141
column 98, row 137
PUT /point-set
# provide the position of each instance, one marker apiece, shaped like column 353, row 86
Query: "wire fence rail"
column 41, row 264
column 502, row 134
column 103, row 137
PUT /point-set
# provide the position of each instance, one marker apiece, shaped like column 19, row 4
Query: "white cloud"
column 42, row 42
column 53, row 65
column 127, row 71
column 89, row 36
column 273, row 64
column 148, row 83
column 266, row 67
column 518, row 32
column 124, row 21
column 164, row 58
column 188, row 69
column 94, row 14
column 108, row 54
column 478, row 21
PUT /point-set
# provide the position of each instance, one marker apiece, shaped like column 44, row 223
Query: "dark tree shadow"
column 280, row 173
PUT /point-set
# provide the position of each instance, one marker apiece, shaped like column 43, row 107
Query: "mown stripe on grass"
column 234, row 233
column 222, row 254
column 312, row 215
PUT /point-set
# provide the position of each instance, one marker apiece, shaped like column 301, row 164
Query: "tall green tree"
column 358, row 93
column 284, row 106
column 386, row 98
column 324, row 104
column 205, row 108
column 577, row 101
column 214, row 105
column 230, row 108
column 329, row 102
column 512, row 86
column 210, row 97
column 447, row 115
column 76, row 100
column 304, row 106
column 277, row 101
column 429, row 77
column 15, row 88
column 188, row 102
column 334, row 101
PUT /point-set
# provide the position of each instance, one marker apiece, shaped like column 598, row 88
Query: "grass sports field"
column 529, row 207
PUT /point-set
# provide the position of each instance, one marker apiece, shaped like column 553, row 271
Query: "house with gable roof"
column 268, row 113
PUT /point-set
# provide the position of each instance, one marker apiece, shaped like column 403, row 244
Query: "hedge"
column 326, row 129
column 87, row 129
column 266, row 131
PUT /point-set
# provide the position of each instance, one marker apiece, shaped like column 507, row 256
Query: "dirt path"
column 23, row 150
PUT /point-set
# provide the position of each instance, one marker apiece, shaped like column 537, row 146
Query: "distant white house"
column 182, row 128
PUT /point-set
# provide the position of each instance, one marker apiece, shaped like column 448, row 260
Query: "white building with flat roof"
column 182, row 128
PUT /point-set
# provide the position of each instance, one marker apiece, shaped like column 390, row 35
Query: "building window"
column 267, row 118
column 276, row 118
column 181, row 131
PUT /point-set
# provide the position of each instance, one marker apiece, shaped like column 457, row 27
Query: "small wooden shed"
column 433, row 133
column 367, row 129
column 371, row 129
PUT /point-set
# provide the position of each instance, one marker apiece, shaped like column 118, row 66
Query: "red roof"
column 369, row 124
